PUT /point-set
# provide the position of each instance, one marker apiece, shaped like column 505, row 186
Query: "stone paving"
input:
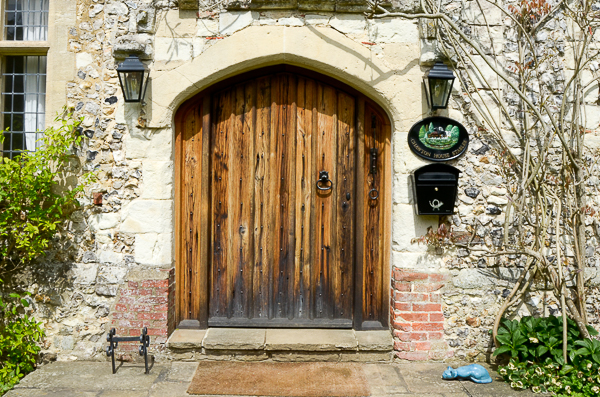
column 94, row 379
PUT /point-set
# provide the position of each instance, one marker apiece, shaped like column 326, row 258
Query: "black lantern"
column 133, row 77
column 435, row 187
column 438, row 85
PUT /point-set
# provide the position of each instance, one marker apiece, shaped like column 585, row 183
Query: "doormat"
column 279, row 379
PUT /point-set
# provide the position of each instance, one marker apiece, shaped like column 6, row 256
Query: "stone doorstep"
column 281, row 340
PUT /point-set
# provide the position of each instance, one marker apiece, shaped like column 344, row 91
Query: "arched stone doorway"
column 282, row 204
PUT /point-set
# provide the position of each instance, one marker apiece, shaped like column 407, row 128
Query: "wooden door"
column 282, row 244
column 258, row 241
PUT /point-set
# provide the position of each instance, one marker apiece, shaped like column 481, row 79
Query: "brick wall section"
column 417, row 317
column 141, row 304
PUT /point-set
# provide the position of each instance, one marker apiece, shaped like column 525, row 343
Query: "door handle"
column 324, row 180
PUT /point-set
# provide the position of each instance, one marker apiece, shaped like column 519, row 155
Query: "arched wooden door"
column 278, row 220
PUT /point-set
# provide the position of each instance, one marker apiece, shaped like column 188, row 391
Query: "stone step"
column 252, row 344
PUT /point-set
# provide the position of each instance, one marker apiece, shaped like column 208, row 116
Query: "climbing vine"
column 531, row 104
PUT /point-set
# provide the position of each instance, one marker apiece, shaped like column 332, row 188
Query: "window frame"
column 21, row 48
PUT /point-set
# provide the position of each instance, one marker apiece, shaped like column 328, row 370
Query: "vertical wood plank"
column 373, row 283
column 263, row 224
column 241, row 188
column 343, row 280
column 200, row 292
column 360, row 219
column 304, row 197
column 325, row 199
column 219, row 304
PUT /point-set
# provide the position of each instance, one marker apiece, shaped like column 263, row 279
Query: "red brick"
column 161, row 291
column 132, row 284
column 427, row 307
column 436, row 317
column 128, row 347
column 142, row 308
column 422, row 345
column 437, row 354
column 152, row 316
column 437, row 277
column 121, row 308
column 155, row 283
column 410, row 276
column 127, row 300
column 154, row 300
column 411, row 297
column 427, row 287
column 436, row 335
column 403, row 306
column 136, row 292
column 131, row 323
column 428, row 326
column 402, row 336
column 403, row 346
column 437, row 298
column 418, row 336
column 127, row 316
column 134, row 332
column 157, row 331
column 414, row 316
column 161, row 308
column 402, row 326
column 401, row 286
column 412, row 356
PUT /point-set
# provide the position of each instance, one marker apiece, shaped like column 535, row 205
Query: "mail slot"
column 435, row 187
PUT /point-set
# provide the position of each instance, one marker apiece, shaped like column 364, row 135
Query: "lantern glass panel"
column 132, row 83
column 440, row 91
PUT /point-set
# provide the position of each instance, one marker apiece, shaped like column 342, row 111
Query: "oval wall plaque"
column 438, row 138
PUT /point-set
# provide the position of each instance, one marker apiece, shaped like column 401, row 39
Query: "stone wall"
column 121, row 272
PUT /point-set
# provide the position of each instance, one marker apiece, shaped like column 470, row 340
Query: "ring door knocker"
column 324, row 183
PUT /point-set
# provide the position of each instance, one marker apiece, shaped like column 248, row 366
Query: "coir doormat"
column 279, row 379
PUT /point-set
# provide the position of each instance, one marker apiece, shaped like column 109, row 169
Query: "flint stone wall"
column 119, row 268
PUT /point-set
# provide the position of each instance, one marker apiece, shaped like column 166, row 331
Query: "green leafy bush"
column 35, row 194
column 19, row 338
column 38, row 191
column 536, row 358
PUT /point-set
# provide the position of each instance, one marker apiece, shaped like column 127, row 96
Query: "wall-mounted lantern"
column 133, row 76
column 438, row 86
column 435, row 187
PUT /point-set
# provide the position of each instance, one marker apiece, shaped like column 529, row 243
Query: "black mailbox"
column 434, row 188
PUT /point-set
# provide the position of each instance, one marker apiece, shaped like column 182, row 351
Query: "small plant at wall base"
column 20, row 335
column 536, row 358
column 38, row 192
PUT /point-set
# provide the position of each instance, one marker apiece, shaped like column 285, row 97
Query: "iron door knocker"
column 373, row 196
column 324, row 180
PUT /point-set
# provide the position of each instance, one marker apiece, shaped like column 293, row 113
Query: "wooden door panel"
column 257, row 244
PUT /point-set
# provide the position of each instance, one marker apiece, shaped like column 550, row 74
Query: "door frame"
column 192, row 136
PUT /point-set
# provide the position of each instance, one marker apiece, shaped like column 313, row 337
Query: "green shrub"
column 35, row 196
column 38, row 191
column 536, row 358
column 19, row 338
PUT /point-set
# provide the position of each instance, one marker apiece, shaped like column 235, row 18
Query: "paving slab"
column 427, row 378
column 234, row 339
column 186, row 339
column 182, row 371
column 374, row 340
column 90, row 376
column 315, row 340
